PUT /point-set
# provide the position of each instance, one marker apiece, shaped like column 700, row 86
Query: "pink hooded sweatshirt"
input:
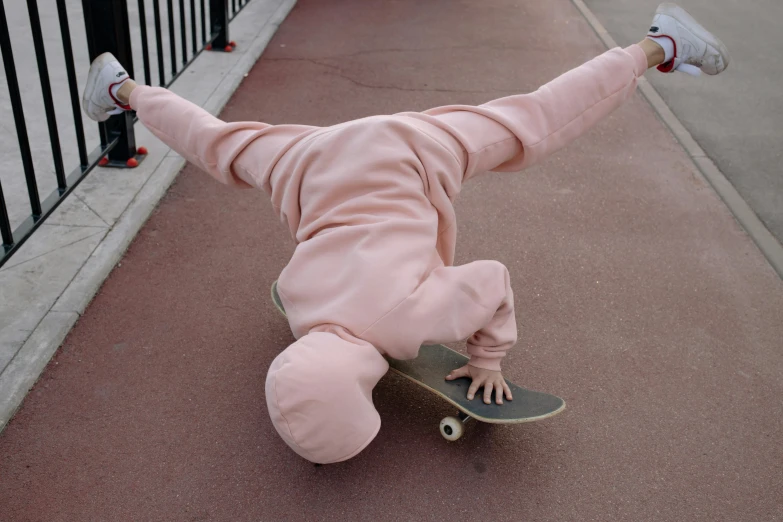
column 370, row 205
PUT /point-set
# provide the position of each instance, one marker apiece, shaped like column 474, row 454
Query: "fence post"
column 108, row 30
column 218, row 24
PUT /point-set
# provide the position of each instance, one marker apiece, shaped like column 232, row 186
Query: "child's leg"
column 512, row 133
column 205, row 141
column 240, row 153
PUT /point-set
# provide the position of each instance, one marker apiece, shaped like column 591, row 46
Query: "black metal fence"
column 203, row 25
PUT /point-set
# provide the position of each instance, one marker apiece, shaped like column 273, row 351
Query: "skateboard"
column 429, row 370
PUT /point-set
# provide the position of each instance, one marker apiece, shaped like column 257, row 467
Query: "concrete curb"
column 742, row 212
column 29, row 362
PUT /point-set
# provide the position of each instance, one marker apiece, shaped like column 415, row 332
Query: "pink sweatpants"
column 369, row 202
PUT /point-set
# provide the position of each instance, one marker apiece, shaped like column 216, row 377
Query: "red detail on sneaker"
column 667, row 66
column 115, row 100
column 228, row 49
column 208, row 47
column 132, row 163
column 103, row 161
column 142, row 151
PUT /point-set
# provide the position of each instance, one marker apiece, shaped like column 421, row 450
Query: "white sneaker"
column 106, row 75
column 693, row 44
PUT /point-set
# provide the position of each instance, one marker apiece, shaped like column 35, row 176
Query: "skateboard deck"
column 429, row 370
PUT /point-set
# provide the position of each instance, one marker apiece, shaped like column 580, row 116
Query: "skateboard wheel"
column 451, row 428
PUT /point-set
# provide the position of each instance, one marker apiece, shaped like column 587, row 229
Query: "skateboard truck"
column 452, row 428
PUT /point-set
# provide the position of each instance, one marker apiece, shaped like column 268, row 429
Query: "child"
column 369, row 203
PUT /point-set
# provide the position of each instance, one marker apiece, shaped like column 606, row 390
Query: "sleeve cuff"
column 484, row 363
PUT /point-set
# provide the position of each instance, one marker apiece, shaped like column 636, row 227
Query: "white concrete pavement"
column 736, row 118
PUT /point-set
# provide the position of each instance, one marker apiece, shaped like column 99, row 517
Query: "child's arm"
column 472, row 301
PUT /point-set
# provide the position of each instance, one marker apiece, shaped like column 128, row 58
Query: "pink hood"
column 319, row 395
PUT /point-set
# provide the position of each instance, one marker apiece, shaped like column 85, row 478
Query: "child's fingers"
column 488, row 392
column 507, row 390
column 474, row 386
column 498, row 393
column 459, row 372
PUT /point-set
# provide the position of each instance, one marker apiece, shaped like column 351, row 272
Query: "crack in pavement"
column 426, row 49
column 74, row 194
column 359, row 83
column 54, row 250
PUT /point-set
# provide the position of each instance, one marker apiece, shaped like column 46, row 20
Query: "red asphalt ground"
column 640, row 300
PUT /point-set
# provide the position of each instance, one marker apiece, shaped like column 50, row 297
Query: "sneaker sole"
column 682, row 16
column 92, row 84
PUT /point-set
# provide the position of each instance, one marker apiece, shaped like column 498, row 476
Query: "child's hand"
column 487, row 379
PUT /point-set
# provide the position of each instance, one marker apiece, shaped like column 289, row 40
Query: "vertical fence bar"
column 172, row 38
column 73, row 86
column 159, row 43
column 203, row 23
column 46, row 92
column 183, row 33
column 218, row 18
column 108, row 30
column 18, row 111
column 145, row 49
column 193, row 31
column 240, row 4
column 6, row 233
